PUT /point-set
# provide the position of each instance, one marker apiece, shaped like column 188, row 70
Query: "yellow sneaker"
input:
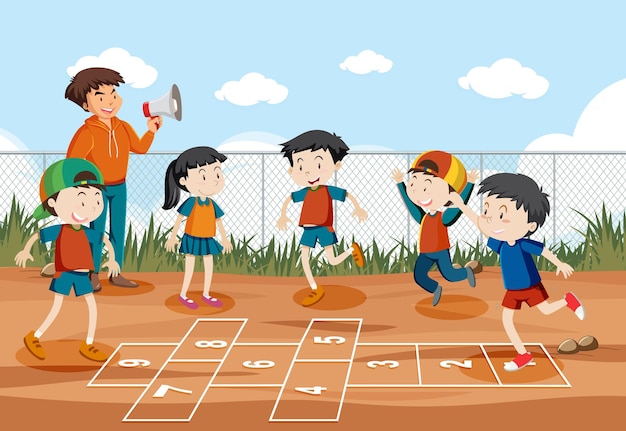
column 33, row 345
column 357, row 254
column 90, row 352
column 314, row 296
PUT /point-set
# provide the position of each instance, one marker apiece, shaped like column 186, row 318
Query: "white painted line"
column 169, row 359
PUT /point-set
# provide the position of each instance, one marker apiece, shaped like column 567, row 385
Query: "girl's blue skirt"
column 199, row 246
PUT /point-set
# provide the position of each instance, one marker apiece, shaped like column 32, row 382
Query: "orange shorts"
column 532, row 296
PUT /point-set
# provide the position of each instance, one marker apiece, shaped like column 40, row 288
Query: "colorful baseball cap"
column 61, row 175
column 450, row 169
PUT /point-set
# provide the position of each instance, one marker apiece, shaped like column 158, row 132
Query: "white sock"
column 89, row 341
column 314, row 286
column 351, row 249
column 38, row 333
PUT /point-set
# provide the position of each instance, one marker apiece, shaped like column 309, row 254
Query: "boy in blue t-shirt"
column 514, row 207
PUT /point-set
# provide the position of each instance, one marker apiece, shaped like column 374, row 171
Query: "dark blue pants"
column 442, row 259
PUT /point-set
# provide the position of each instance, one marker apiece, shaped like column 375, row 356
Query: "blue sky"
column 414, row 103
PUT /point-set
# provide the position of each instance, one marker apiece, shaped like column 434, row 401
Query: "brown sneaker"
column 357, row 254
column 120, row 281
column 48, row 270
column 90, row 352
column 33, row 345
column 95, row 282
column 314, row 296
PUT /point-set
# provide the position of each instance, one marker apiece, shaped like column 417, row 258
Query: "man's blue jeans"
column 113, row 200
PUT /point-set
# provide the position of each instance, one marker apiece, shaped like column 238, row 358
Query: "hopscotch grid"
column 180, row 343
column 386, row 344
column 351, row 362
column 246, row 385
column 265, row 344
column 493, row 369
column 356, row 320
column 419, row 364
column 243, row 322
column 217, row 370
column 555, row 366
column 90, row 384
column 293, row 361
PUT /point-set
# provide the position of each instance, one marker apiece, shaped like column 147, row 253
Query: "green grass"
column 601, row 248
column 15, row 230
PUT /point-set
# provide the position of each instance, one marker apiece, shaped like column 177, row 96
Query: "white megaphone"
column 169, row 105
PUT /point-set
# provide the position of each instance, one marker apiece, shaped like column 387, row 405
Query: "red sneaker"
column 519, row 362
column 574, row 304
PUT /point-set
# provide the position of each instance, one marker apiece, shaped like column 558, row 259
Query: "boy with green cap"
column 70, row 189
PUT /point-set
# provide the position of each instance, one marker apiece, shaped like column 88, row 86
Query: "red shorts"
column 532, row 296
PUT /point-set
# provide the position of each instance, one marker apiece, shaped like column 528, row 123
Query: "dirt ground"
column 53, row 393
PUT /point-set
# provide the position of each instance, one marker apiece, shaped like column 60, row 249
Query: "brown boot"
column 95, row 282
column 121, row 281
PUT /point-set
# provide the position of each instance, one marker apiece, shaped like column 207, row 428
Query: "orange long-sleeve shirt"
column 108, row 149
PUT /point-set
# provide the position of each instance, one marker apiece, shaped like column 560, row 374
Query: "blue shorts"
column 63, row 284
column 199, row 246
column 323, row 234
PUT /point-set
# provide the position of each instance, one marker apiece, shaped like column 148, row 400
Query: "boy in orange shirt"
column 107, row 142
column 314, row 157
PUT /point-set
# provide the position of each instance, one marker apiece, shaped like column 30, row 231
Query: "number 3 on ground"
column 388, row 363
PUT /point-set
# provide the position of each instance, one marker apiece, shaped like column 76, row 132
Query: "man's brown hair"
column 90, row 79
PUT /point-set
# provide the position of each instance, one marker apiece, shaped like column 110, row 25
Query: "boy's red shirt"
column 73, row 251
column 433, row 234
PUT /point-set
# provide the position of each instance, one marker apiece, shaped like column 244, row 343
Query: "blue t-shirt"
column 518, row 267
column 335, row 193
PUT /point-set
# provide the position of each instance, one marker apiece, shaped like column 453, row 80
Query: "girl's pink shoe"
column 212, row 301
column 187, row 302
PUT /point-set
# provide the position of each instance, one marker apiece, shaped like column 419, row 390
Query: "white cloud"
column 587, row 181
column 10, row 142
column 505, row 78
column 600, row 127
column 251, row 89
column 365, row 62
column 134, row 70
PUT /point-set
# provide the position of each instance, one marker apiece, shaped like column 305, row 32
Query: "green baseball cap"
column 62, row 175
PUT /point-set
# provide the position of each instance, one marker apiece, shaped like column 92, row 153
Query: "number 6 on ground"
column 258, row 364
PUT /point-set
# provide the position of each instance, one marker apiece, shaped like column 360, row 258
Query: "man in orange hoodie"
column 107, row 142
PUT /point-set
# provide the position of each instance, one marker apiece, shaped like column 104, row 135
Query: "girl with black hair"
column 198, row 171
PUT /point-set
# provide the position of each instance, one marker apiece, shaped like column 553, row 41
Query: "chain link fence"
column 257, row 184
